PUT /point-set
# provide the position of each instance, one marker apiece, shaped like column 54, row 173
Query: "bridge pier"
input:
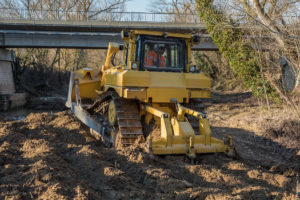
column 8, row 96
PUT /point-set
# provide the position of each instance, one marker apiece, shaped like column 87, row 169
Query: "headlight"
column 134, row 66
column 192, row 68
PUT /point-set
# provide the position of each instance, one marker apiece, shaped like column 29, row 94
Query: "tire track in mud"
column 256, row 150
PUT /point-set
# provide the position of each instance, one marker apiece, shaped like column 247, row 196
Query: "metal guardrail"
column 61, row 15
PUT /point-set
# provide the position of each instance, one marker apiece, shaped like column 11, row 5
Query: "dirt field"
column 51, row 156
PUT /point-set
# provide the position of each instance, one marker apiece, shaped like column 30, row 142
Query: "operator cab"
column 160, row 54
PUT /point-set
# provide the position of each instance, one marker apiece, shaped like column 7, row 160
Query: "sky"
column 138, row 5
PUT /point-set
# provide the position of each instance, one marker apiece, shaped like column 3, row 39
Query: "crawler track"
column 128, row 125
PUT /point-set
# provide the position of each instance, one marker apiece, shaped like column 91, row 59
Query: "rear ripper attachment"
column 179, row 137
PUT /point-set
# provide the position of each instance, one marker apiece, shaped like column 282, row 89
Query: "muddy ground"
column 50, row 155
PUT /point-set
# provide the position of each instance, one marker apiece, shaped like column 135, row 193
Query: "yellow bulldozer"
column 155, row 86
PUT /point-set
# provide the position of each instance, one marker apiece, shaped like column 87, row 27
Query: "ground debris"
column 289, row 129
column 52, row 156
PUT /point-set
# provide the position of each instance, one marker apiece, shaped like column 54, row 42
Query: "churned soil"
column 52, row 156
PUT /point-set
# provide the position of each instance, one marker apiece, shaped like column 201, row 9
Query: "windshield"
column 160, row 55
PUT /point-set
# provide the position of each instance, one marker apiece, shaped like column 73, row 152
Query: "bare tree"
column 182, row 10
column 279, row 20
column 174, row 6
column 66, row 9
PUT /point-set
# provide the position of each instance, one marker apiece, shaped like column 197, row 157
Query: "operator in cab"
column 155, row 57
column 161, row 58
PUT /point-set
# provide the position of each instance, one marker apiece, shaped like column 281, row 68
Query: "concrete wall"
column 8, row 97
column 7, row 85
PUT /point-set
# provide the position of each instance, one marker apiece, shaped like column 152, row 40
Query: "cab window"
column 161, row 55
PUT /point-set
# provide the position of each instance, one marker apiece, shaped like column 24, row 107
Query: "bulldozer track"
column 128, row 125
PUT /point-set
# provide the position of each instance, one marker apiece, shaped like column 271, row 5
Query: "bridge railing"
column 61, row 15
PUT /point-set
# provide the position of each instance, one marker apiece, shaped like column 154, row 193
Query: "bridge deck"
column 85, row 34
column 97, row 26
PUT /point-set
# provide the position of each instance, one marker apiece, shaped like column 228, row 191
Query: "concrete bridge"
column 87, row 35
column 52, row 29
column 20, row 28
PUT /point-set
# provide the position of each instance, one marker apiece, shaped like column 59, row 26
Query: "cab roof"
column 158, row 33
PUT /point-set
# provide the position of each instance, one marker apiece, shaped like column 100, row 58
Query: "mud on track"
column 52, row 156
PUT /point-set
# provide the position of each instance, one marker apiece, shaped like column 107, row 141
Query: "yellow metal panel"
column 188, row 55
column 128, row 79
column 158, row 33
column 159, row 79
column 182, row 148
column 183, row 129
column 131, row 51
column 82, row 73
column 195, row 80
column 176, row 127
column 133, row 93
column 165, row 107
column 110, row 79
column 162, row 86
column 167, row 79
column 112, row 49
column 199, row 93
column 115, row 79
column 136, row 79
column 186, row 129
column 87, row 90
column 179, row 145
column 166, row 94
